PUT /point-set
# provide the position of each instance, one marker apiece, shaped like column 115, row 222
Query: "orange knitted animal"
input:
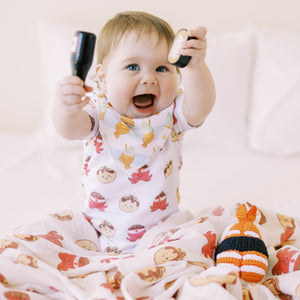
column 243, row 248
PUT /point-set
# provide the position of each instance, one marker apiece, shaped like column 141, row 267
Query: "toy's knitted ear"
column 243, row 248
column 243, row 215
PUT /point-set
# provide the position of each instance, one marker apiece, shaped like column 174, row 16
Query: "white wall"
column 20, row 77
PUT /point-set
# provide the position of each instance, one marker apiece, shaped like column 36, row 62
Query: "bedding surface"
column 36, row 178
column 57, row 257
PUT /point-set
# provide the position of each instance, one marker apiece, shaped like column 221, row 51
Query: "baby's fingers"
column 198, row 32
column 70, row 90
column 74, row 103
column 73, row 90
column 79, row 105
column 70, row 80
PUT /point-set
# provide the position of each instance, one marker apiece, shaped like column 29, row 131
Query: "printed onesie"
column 131, row 171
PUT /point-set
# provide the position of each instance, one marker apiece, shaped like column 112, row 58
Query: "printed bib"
column 133, row 142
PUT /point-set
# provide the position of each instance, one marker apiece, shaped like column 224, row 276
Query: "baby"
column 133, row 125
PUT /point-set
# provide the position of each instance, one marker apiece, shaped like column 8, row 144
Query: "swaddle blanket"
column 57, row 257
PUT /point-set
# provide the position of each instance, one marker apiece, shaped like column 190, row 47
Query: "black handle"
column 82, row 53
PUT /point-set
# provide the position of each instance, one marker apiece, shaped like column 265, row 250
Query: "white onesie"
column 131, row 171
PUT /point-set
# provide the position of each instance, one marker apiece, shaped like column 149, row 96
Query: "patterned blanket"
column 57, row 257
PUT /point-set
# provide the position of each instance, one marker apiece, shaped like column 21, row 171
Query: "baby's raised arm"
column 69, row 118
column 199, row 87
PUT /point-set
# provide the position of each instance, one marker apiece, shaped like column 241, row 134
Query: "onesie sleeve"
column 178, row 112
column 92, row 111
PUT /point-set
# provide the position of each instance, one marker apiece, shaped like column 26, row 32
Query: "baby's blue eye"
column 162, row 69
column 133, row 67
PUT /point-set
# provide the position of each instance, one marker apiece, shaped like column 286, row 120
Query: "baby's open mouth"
column 144, row 101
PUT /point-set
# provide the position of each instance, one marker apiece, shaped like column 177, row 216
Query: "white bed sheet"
column 36, row 179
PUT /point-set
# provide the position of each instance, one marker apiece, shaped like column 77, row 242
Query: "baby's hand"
column 196, row 48
column 71, row 93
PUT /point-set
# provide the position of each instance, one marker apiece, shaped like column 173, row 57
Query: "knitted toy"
column 243, row 248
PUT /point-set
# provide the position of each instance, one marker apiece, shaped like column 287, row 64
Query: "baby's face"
column 137, row 77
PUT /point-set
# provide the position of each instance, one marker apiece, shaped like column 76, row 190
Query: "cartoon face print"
column 168, row 168
column 129, row 203
column 87, row 245
column 136, row 232
column 97, row 201
column 106, row 175
column 107, row 229
column 151, row 273
column 168, row 254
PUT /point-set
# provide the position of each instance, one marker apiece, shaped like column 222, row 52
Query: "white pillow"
column 55, row 44
column 229, row 57
column 274, row 119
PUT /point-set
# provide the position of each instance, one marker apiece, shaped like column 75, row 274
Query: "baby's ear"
column 100, row 75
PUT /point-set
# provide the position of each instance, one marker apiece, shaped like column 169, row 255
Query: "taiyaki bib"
column 133, row 142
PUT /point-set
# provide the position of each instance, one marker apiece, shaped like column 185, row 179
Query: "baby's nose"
column 149, row 78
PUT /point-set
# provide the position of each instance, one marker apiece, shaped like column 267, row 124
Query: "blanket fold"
column 58, row 257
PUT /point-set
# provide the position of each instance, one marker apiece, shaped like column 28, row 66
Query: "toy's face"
column 129, row 204
column 87, row 245
column 106, row 175
column 107, row 229
column 164, row 255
